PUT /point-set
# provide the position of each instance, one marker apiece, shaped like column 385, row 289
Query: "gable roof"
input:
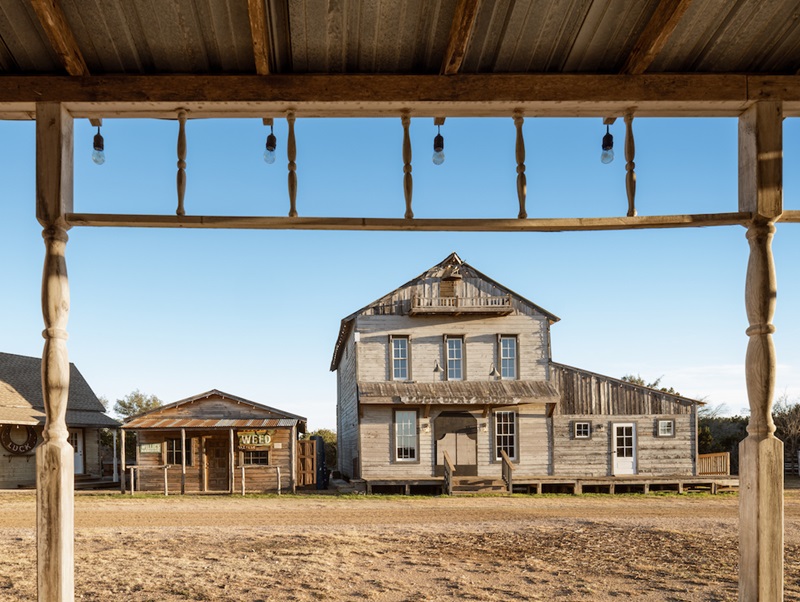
column 451, row 267
column 21, row 400
column 147, row 419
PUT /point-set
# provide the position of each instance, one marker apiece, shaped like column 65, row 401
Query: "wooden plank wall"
column 427, row 345
column 377, row 454
column 587, row 393
column 347, row 410
column 398, row 302
column 259, row 479
column 655, row 455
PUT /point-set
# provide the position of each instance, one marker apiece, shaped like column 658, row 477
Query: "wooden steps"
column 466, row 485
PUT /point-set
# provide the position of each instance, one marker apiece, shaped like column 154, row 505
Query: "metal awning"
column 458, row 392
column 207, row 423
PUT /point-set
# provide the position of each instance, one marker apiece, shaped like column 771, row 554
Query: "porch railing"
column 136, row 471
column 714, row 464
column 262, row 467
column 476, row 304
column 508, row 471
column 449, row 469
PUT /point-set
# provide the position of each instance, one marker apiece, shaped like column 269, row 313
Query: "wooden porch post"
column 761, row 453
column 121, row 461
column 55, row 456
column 183, row 461
column 293, row 459
column 231, row 473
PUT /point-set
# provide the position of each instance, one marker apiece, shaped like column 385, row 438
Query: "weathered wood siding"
column 427, row 345
column 590, row 394
column 377, row 443
column 534, row 443
column 214, row 407
column 347, row 411
column 260, row 479
column 21, row 469
column 654, row 455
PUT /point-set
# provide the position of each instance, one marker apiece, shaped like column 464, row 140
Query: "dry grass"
column 344, row 548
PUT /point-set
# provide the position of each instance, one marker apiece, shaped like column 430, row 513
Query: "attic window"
column 447, row 288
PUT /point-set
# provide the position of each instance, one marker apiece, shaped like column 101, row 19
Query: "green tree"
column 638, row 380
column 135, row 403
column 329, row 438
column 786, row 415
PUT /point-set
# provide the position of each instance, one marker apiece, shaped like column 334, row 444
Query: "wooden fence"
column 714, row 464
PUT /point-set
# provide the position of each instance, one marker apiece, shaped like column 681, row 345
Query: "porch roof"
column 161, row 424
column 458, row 392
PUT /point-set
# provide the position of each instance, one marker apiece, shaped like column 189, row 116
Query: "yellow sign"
column 250, row 440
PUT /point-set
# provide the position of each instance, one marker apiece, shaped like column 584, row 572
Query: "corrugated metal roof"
column 206, row 423
column 460, row 392
column 402, row 36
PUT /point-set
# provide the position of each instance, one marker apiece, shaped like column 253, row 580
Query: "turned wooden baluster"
column 291, row 153
column 761, row 453
column 630, row 176
column 522, row 184
column 181, row 177
column 408, row 181
column 55, row 456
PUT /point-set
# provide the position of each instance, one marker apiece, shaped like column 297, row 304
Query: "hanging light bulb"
column 607, row 156
column 272, row 143
column 438, row 147
column 99, row 154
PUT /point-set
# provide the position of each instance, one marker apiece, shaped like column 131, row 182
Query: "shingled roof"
column 21, row 400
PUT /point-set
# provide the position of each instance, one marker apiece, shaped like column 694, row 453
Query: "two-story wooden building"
column 455, row 364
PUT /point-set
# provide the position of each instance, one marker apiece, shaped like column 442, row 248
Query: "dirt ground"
column 316, row 547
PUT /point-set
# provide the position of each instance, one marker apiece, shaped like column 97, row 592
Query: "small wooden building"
column 216, row 442
column 455, row 367
column 22, row 419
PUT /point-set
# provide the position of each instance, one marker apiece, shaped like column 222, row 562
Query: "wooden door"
column 76, row 440
column 624, row 448
column 217, row 466
column 306, row 462
column 457, row 433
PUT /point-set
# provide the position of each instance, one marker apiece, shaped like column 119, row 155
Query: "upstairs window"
column 455, row 358
column 405, row 435
column 508, row 357
column 400, row 358
column 174, row 451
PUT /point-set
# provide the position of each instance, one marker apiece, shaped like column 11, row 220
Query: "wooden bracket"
column 96, row 121
column 439, row 120
column 426, row 411
column 267, row 121
column 609, row 120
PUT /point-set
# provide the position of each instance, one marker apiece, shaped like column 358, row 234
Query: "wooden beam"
column 761, row 159
column 260, row 32
column 567, row 224
column 57, row 30
column 460, row 32
column 574, row 95
column 655, row 35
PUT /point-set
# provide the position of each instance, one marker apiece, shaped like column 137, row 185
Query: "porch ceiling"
column 367, row 58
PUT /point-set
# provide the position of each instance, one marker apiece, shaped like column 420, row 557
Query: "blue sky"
column 256, row 313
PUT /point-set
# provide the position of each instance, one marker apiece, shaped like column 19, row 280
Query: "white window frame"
column 406, row 436
column 660, row 432
column 576, row 426
column 459, row 361
column 505, row 438
column 505, row 361
column 395, row 357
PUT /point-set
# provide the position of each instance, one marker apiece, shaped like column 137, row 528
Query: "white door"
column 624, row 448
column 76, row 440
